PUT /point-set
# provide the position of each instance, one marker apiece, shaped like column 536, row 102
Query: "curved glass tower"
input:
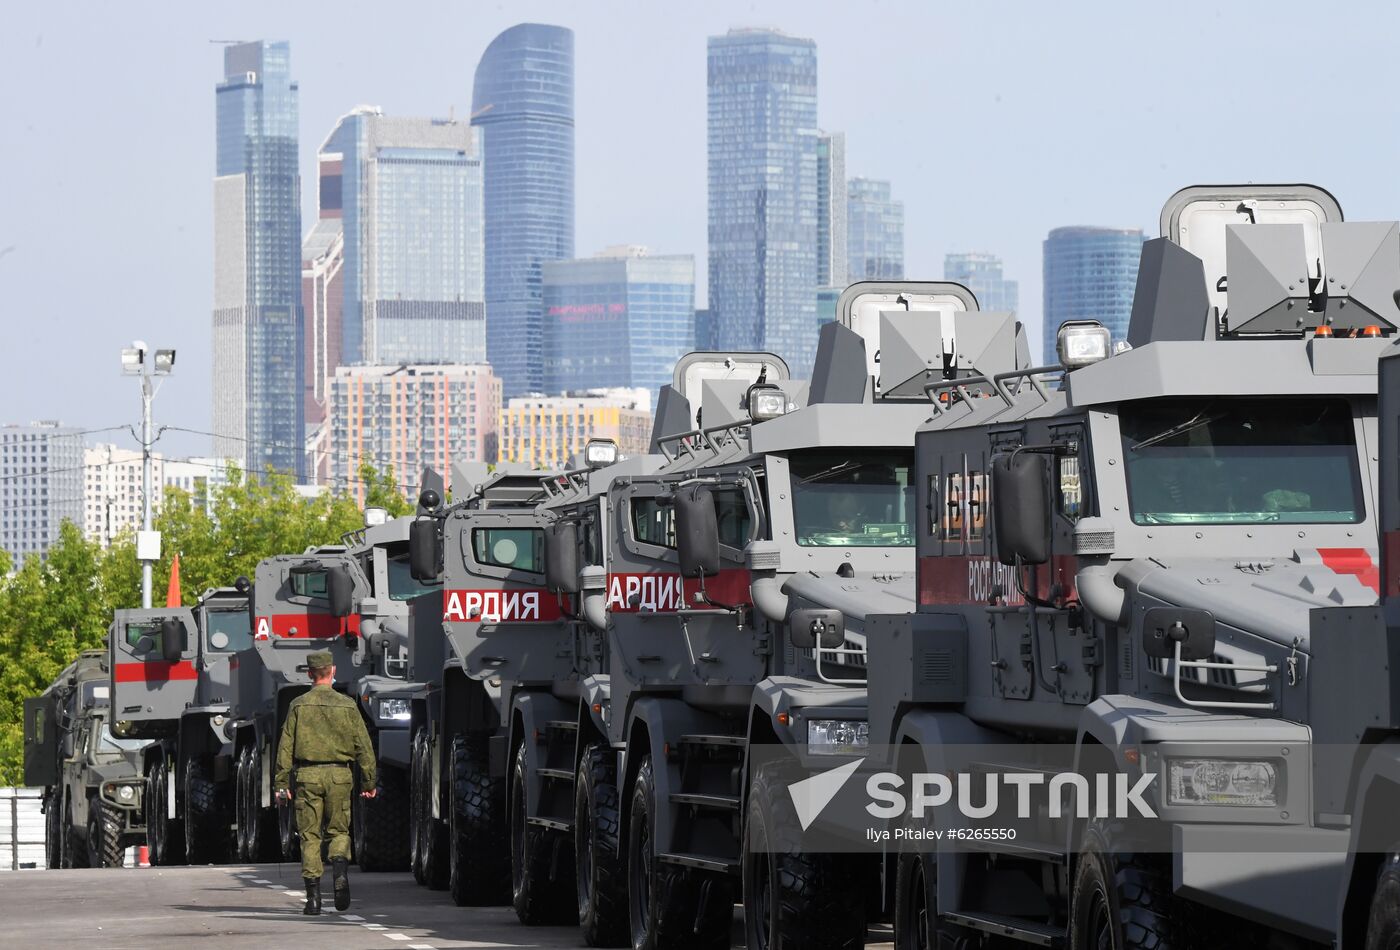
column 523, row 101
column 1090, row 274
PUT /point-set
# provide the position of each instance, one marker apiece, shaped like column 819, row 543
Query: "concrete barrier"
column 21, row 829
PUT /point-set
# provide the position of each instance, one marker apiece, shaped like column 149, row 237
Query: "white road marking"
column 374, row 926
column 355, row 917
column 420, row 946
column 293, row 893
column 258, row 880
column 398, row 936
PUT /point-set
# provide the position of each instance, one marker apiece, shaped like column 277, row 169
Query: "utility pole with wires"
column 134, row 363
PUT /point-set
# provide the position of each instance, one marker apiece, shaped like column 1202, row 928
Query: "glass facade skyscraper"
column 620, row 319
column 409, row 195
column 762, row 154
column 831, row 209
column 523, row 102
column 875, row 231
column 981, row 274
column 257, row 338
column 1090, row 274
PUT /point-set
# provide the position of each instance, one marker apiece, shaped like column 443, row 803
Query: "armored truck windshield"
column 840, row 500
column 402, row 585
column 110, row 746
column 229, row 631
column 520, row 549
column 1241, row 461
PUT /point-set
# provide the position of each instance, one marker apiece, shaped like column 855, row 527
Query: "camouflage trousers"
column 322, row 803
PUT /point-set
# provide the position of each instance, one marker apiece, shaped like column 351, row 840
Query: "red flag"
column 172, row 593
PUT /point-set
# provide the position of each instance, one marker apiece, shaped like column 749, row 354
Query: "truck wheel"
column 381, row 827
column 664, row 901
column 477, row 869
column 539, row 895
column 794, row 898
column 53, row 831
column 165, row 835
column 104, row 836
column 602, row 887
column 74, row 848
column 242, row 807
column 916, row 902
column 288, row 839
column 1120, row 901
column 206, row 816
column 429, row 844
column 1383, row 922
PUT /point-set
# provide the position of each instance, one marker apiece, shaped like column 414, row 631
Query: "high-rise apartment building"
column 41, row 486
column 408, row 196
column 762, row 159
column 546, row 431
column 322, row 303
column 619, row 319
column 831, row 210
column 981, row 273
column 257, row 338
column 875, row 231
column 523, row 102
column 200, row 478
column 1090, row 274
column 405, row 418
column 113, row 489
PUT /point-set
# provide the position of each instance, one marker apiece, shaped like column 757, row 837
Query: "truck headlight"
column 1222, row 782
column 837, row 736
column 126, row 794
column 395, row 709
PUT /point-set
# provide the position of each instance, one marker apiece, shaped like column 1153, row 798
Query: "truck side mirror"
column 810, row 626
column 340, row 591
column 561, row 557
column 1021, row 508
column 697, row 532
column 423, row 559
column 1164, row 627
column 172, row 640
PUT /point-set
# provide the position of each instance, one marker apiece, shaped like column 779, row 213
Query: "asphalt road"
column 253, row 906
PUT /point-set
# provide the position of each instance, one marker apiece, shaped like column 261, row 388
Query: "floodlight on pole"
column 165, row 362
column 134, row 364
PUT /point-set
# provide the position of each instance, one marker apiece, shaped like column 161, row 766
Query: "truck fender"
column 530, row 711
column 653, row 724
column 597, row 702
column 1377, row 791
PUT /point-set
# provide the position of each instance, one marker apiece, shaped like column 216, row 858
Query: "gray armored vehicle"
column 354, row 595
column 1116, row 575
column 172, row 685
column 93, row 787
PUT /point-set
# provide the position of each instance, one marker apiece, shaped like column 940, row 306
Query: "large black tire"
column 1383, row 921
column 1121, row 901
column 598, row 871
column 207, row 818
column 795, row 898
column 242, row 805
column 381, row 824
column 429, row 844
column 104, row 836
column 478, row 863
column 75, row 853
column 164, row 834
column 541, row 890
column 288, row 838
column 916, row 924
column 53, row 830
column 664, row 901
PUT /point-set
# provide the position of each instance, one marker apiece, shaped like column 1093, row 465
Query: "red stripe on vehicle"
column 508, row 605
column 668, row 592
column 154, row 671
column 1355, row 561
column 974, row 578
column 305, row 626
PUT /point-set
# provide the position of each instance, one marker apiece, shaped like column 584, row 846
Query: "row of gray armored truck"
column 633, row 693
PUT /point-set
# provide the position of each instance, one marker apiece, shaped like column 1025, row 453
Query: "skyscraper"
column 408, row 194
column 762, row 152
column 981, row 273
column 1090, row 274
column 523, row 101
column 875, row 231
column 41, row 486
column 618, row 319
column 831, row 209
column 257, row 339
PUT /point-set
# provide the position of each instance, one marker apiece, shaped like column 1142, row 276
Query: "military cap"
column 320, row 660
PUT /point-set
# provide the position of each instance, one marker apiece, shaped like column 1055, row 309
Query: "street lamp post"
column 134, row 363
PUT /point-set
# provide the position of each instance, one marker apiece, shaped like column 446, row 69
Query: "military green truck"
column 93, row 788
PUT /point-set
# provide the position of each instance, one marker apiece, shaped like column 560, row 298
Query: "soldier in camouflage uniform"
column 323, row 734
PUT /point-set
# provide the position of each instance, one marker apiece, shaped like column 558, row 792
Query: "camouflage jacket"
column 324, row 726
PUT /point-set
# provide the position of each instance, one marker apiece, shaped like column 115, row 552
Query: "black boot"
column 342, row 883
column 313, row 897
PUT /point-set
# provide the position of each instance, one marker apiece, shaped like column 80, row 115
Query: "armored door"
column 149, row 681
column 40, row 742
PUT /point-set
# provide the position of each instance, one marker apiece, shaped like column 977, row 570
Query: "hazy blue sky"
column 996, row 122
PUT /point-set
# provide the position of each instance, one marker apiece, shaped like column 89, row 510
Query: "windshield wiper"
column 1195, row 422
column 840, row 468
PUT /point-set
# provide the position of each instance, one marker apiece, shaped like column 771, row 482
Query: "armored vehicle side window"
column 1070, row 497
column 96, row 694
column 655, row 523
column 1241, row 461
column 976, row 506
column 402, row 586
column 143, row 637
column 843, row 501
column 308, row 584
column 592, row 535
column 520, row 549
column 229, row 630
